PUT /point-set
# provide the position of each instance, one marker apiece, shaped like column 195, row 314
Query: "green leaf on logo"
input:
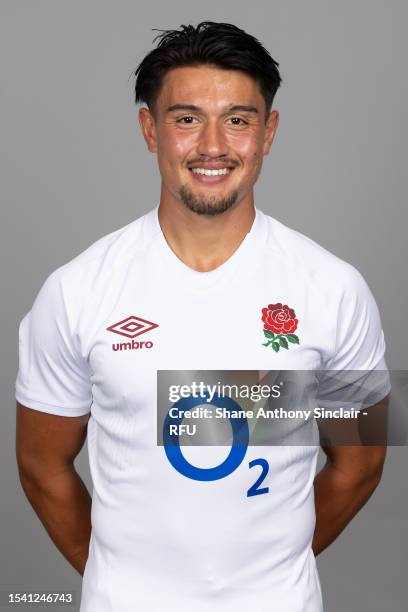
column 268, row 333
column 266, row 343
column 292, row 338
column 275, row 346
column 283, row 343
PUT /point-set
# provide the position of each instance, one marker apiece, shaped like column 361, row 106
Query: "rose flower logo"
column 279, row 324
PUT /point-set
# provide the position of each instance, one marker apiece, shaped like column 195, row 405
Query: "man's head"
column 209, row 92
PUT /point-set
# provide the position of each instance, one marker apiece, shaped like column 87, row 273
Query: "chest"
column 143, row 327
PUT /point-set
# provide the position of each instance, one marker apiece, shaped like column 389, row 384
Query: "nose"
column 212, row 140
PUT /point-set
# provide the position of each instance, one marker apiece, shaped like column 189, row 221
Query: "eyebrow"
column 232, row 108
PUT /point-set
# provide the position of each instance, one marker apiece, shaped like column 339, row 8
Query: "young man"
column 203, row 281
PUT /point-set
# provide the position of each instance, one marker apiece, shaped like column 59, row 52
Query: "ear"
column 270, row 131
column 148, row 125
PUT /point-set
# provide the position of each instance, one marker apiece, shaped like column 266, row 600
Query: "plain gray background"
column 74, row 167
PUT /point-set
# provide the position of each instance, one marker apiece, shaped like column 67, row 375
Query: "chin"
column 207, row 203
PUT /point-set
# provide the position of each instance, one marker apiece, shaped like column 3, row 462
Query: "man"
column 205, row 280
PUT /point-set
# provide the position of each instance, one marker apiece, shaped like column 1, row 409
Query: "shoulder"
column 107, row 254
column 114, row 248
column 89, row 275
column 310, row 261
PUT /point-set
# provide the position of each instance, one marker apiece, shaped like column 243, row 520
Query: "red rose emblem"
column 279, row 324
column 279, row 319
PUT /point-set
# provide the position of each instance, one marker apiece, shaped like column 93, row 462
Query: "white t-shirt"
column 100, row 328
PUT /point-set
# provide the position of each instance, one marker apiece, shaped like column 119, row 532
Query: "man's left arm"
column 348, row 479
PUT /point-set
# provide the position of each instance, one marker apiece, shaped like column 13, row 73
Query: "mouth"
column 211, row 175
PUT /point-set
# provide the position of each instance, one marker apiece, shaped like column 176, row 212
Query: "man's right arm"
column 46, row 446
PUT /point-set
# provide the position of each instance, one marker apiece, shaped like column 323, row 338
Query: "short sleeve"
column 357, row 369
column 359, row 343
column 52, row 376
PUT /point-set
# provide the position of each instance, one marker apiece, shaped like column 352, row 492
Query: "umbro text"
column 129, row 346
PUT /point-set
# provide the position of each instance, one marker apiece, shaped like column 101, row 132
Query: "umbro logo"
column 130, row 328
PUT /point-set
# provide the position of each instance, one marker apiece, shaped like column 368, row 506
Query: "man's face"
column 210, row 135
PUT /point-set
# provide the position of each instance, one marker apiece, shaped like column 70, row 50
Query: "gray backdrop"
column 74, row 167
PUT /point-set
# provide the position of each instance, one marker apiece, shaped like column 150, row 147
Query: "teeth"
column 206, row 172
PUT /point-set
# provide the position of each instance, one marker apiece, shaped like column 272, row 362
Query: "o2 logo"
column 235, row 457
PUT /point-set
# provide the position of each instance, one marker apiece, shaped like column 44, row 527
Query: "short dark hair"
column 210, row 43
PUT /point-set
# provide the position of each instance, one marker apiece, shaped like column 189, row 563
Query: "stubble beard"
column 207, row 205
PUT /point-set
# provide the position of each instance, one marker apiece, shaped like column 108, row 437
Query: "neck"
column 205, row 242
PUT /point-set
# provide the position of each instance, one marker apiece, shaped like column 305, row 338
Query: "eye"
column 237, row 121
column 187, row 120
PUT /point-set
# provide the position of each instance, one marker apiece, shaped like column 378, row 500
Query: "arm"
column 342, row 487
column 46, row 446
column 350, row 476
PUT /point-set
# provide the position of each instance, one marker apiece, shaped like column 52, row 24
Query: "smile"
column 206, row 172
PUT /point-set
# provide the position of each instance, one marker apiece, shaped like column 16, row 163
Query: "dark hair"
column 220, row 44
